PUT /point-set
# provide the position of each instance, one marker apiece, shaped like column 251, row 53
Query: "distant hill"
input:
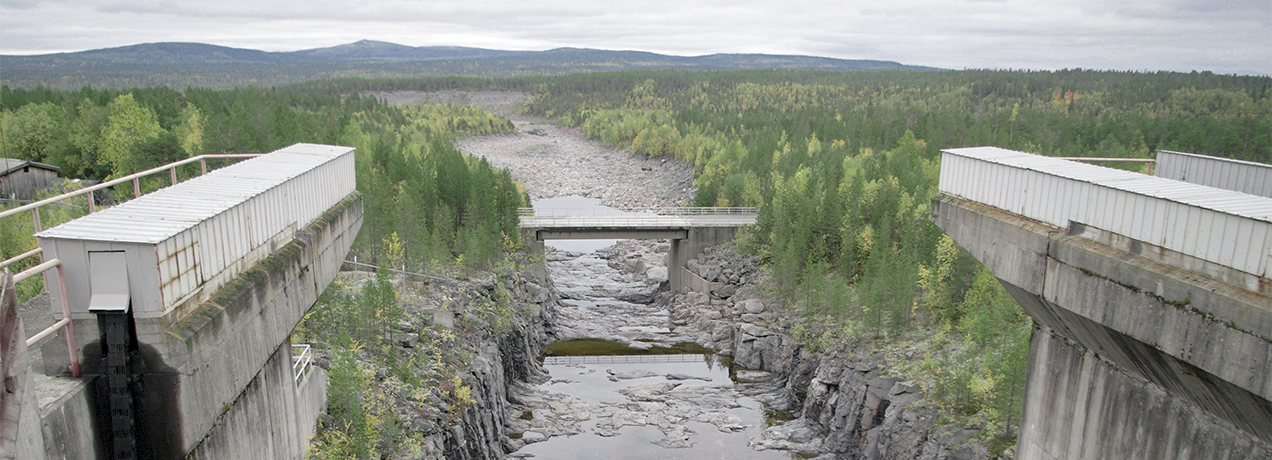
column 366, row 50
column 196, row 64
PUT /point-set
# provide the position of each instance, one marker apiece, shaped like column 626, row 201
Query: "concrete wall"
column 700, row 238
column 1131, row 358
column 274, row 418
column 68, row 422
column 1080, row 406
column 194, row 370
column 685, row 244
column 201, row 364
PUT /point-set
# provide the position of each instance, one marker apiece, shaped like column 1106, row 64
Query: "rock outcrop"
column 847, row 405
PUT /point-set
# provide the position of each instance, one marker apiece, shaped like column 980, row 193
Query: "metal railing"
column 357, row 264
column 65, row 322
column 657, row 211
column 43, row 266
column 301, row 362
column 135, row 178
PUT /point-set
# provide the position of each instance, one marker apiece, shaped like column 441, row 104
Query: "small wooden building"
column 21, row 179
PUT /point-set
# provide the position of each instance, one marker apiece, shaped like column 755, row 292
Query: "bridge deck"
column 636, row 222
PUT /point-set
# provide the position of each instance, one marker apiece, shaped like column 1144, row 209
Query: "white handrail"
column 660, row 211
column 300, row 363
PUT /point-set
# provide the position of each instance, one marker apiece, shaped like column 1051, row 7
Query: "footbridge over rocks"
column 690, row 229
column 1150, row 297
column 183, row 301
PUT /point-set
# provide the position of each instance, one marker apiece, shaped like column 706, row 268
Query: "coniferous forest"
column 843, row 165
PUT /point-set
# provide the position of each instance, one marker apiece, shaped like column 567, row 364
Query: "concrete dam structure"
column 183, row 301
column 1150, row 297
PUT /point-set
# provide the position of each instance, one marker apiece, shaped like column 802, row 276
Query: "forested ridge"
column 843, row 166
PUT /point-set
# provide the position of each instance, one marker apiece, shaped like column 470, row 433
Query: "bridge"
column 1150, row 297
column 174, row 312
column 690, row 229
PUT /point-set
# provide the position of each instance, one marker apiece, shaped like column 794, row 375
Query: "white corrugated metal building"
column 1225, row 173
column 1221, row 226
column 184, row 242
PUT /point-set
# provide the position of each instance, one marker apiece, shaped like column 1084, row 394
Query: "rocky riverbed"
column 554, row 161
column 842, row 405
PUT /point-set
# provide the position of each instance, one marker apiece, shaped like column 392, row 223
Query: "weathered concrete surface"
column 1132, row 357
column 68, row 418
column 274, row 418
column 686, row 242
column 196, row 373
column 200, row 365
column 700, row 238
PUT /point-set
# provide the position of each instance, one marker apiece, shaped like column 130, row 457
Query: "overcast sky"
column 1224, row 36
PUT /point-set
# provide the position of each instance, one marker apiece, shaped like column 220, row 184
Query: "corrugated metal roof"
column 1226, row 201
column 160, row 215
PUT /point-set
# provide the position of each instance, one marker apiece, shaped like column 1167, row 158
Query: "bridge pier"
column 695, row 242
column 687, row 239
column 1131, row 357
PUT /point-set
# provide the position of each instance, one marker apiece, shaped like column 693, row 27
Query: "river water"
column 625, row 387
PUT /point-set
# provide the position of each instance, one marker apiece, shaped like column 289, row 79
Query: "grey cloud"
column 1122, row 34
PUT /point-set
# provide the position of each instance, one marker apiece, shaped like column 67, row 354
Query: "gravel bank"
column 553, row 161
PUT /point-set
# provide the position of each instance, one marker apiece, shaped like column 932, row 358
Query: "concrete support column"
column 676, row 265
column 1130, row 357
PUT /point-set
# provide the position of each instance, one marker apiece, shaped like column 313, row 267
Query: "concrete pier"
column 1140, row 351
column 689, row 234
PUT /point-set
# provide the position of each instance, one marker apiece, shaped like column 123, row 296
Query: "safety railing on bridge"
column 657, row 211
column 34, row 208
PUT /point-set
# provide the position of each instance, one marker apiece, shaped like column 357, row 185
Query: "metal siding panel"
column 1186, row 235
column 1229, row 176
column 1116, row 203
column 1234, row 254
column 1055, row 203
column 959, row 170
column 1169, row 222
column 1264, row 264
column 1008, row 200
column 1158, row 221
column 1084, row 204
column 1203, row 231
column 1144, row 218
column 1219, row 234
column 1035, row 198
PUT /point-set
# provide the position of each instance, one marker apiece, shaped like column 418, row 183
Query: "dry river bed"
column 553, row 161
column 643, row 407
